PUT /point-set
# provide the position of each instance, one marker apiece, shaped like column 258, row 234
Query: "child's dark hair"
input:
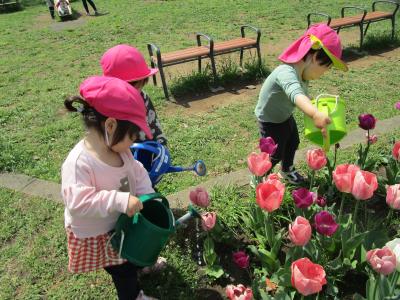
column 322, row 57
column 94, row 119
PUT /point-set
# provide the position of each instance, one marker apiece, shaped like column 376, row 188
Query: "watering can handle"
column 327, row 95
column 326, row 139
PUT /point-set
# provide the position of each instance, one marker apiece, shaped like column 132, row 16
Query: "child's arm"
column 321, row 120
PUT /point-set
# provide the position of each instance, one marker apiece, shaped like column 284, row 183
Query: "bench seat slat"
column 183, row 54
column 233, row 44
column 354, row 20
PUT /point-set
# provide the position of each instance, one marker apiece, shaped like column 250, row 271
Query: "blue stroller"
column 157, row 161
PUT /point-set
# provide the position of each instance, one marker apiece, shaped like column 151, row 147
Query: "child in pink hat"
column 101, row 179
column 307, row 58
column 127, row 63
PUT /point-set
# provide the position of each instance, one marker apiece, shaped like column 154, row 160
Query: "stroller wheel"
column 200, row 168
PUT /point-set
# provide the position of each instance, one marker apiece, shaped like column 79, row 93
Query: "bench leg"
column 164, row 83
column 393, row 24
column 241, row 57
column 154, row 76
column 259, row 54
column 199, row 64
column 366, row 28
column 214, row 69
column 361, row 35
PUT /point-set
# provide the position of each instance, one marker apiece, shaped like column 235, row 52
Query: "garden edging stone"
column 51, row 190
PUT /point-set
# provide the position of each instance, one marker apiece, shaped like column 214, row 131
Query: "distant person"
column 50, row 5
column 307, row 58
column 87, row 8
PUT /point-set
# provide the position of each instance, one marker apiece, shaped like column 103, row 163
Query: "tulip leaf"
column 370, row 288
column 384, row 286
column 358, row 297
column 349, row 245
column 282, row 296
column 215, row 271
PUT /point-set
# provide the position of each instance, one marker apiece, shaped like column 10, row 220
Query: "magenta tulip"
column 259, row 164
column 307, row 278
column 238, row 292
column 343, row 177
column 302, row 197
column 300, row 231
column 208, row 220
column 269, row 194
column 382, row 260
column 268, row 145
column 325, row 223
column 241, row 259
column 316, row 159
column 199, row 197
column 321, row 201
column 393, row 196
column 364, row 186
column 397, row 105
column 367, row 121
column 396, row 151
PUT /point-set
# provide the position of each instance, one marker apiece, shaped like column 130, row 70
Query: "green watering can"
column 335, row 109
column 140, row 238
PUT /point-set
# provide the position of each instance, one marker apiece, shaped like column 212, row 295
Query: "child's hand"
column 134, row 206
column 321, row 120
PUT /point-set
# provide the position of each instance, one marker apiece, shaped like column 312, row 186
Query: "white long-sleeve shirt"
column 95, row 194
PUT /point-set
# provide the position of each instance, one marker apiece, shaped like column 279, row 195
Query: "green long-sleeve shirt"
column 277, row 95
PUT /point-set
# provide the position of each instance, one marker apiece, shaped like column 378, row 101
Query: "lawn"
column 41, row 64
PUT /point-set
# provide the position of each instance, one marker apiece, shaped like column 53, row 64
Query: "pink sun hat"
column 318, row 36
column 115, row 98
column 126, row 63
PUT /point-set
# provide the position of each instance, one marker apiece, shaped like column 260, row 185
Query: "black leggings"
column 91, row 4
column 125, row 280
column 285, row 134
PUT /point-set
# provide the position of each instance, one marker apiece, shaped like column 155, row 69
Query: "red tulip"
column 300, row 231
column 343, row 177
column 396, row 151
column 268, row 145
column 364, row 186
column 241, row 259
column 316, row 159
column 302, row 197
column 259, row 164
column 307, row 277
column 208, row 220
column 367, row 121
column 393, row 196
column 199, row 197
column 382, row 260
column 321, row 201
column 269, row 194
column 238, row 292
column 325, row 223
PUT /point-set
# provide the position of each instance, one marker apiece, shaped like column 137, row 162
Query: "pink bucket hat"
column 126, row 63
column 115, row 98
column 318, row 36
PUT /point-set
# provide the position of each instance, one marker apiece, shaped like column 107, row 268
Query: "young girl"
column 127, row 63
column 100, row 178
column 85, row 6
column 308, row 58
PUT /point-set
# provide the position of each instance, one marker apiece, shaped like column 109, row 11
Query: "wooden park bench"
column 4, row 3
column 202, row 51
column 361, row 19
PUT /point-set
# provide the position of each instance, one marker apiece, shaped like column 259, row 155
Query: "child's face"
column 124, row 145
column 314, row 70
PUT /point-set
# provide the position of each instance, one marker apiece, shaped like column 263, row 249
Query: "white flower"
column 394, row 245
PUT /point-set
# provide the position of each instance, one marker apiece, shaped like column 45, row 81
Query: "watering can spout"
column 192, row 213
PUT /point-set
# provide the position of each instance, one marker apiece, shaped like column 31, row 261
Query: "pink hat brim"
column 152, row 71
column 296, row 51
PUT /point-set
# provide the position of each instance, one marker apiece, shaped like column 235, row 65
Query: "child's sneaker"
column 142, row 296
column 293, row 176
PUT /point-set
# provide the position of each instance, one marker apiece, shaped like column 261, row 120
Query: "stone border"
column 51, row 190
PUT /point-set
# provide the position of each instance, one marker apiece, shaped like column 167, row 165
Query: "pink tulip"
column 269, row 194
column 199, row 197
column 300, row 231
column 268, row 145
column 382, row 260
column 372, row 139
column 316, row 159
column 393, row 196
column 259, row 164
column 396, row 151
column 238, row 292
column 325, row 223
column 274, row 176
column 241, row 259
column 307, row 277
column 397, row 105
column 343, row 177
column 302, row 197
column 208, row 220
column 364, row 186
